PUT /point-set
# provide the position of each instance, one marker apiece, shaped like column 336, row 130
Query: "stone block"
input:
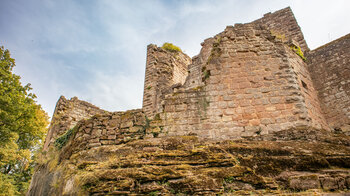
column 329, row 183
column 222, row 104
column 126, row 124
column 229, row 111
column 110, row 137
column 231, row 104
column 302, row 183
column 140, row 120
column 114, row 122
column 96, row 133
column 86, row 136
column 95, row 140
column 87, row 130
column 293, row 99
column 267, row 121
column 92, row 145
column 104, row 132
column 254, row 122
column 244, row 102
column 275, row 100
column 108, row 142
column 135, row 129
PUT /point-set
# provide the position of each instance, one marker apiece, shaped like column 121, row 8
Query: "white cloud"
column 97, row 50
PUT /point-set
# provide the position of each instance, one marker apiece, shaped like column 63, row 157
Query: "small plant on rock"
column 171, row 47
column 61, row 141
column 298, row 51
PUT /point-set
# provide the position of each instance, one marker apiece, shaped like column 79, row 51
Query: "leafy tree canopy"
column 22, row 129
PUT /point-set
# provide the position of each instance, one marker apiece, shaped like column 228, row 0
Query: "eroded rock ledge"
column 131, row 158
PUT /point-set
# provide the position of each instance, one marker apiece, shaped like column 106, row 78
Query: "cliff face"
column 284, row 162
column 249, row 114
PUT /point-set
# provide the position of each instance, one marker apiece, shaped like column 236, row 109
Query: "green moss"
column 171, row 47
column 205, row 74
column 63, row 139
column 149, row 87
column 204, row 103
column 198, row 88
column 298, row 51
column 216, row 50
column 278, row 35
column 157, row 116
column 229, row 179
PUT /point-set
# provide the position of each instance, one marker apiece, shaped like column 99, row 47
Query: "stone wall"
column 329, row 66
column 163, row 70
column 308, row 92
column 250, row 83
column 66, row 115
column 283, row 23
column 110, row 129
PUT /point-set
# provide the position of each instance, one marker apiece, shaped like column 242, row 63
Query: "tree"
column 23, row 126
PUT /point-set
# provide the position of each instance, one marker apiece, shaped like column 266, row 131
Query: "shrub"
column 171, row 47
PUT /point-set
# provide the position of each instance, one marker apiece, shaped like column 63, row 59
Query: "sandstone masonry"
column 250, row 87
column 248, row 80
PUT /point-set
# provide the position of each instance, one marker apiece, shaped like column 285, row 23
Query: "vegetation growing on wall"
column 171, row 47
column 278, row 35
column 205, row 74
column 62, row 140
column 298, row 51
column 216, row 50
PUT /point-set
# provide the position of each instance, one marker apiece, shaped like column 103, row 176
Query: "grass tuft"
column 171, row 47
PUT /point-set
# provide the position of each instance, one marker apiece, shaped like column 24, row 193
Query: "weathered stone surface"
column 285, row 162
column 330, row 67
column 249, row 81
column 67, row 114
column 304, row 182
column 258, row 81
column 126, row 124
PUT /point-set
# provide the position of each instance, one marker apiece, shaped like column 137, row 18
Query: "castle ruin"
column 254, row 112
column 251, row 79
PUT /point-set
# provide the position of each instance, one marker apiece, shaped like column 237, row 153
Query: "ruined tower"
column 250, row 79
column 164, row 69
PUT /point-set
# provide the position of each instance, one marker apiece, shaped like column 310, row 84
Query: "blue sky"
column 96, row 50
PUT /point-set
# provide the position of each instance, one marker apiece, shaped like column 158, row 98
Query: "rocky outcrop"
column 292, row 161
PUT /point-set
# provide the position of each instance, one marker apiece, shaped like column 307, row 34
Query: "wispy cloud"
column 96, row 50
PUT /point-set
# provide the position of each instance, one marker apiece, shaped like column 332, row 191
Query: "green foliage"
column 149, row 87
column 63, row 139
column 298, row 51
column 171, row 47
column 229, row 179
column 154, row 193
column 7, row 185
column 22, row 129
